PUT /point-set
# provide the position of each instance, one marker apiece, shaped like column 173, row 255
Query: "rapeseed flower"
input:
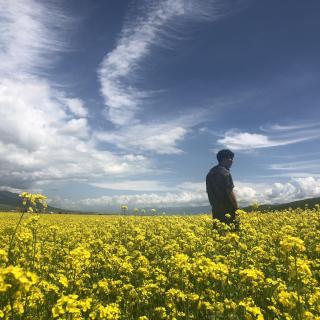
column 160, row 267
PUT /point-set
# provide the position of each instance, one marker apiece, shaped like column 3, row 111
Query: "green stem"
column 298, row 287
column 34, row 247
column 12, row 238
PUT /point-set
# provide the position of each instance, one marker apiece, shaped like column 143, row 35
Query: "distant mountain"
column 310, row 202
column 10, row 201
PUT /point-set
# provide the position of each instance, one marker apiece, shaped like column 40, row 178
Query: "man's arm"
column 209, row 191
column 233, row 199
column 230, row 192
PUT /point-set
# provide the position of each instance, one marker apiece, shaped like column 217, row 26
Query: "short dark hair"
column 224, row 154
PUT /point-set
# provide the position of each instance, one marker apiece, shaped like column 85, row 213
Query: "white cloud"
column 191, row 194
column 26, row 36
column 133, row 45
column 76, row 106
column 148, row 200
column 30, row 113
column 291, row 174
column 246, row 193
column 76, row 127
column 133, row 185
column 44, row 134
column 305, row 165
column 289, row 127
column 296, row 169
column 155, row 24
column 160, row 138
column 309, row 186
column 244, row 140
column 10, row 189
column 248, row 141
column 281, row 191
column 192, row 186
column 278, row 192
column 292, row 190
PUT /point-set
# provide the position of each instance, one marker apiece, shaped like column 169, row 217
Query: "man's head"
column 225, row 158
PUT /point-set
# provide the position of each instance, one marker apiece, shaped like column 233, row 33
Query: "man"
column 220, row 188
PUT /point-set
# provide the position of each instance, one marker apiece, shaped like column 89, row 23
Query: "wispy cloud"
column 160, row 137
column 27, row 37
column 154, row 24
column 133, row 185
column 272, row 136
column 249, row 141
column 76, row 106
column 192, row 186
column 306, row 165
column 274, row 128
column 296, row 169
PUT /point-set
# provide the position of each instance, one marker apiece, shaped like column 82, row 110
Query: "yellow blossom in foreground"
column 253, row 276
column 109, row 312
column 251, row 312
column 291, row 244
column 139, row 267
column 288, row 299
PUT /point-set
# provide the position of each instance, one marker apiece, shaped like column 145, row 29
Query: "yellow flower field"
column 160, row 267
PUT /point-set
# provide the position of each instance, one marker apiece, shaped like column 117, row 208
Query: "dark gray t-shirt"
column 219, row 184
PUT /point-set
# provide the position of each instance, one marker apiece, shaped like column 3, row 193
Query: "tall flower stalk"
column 31, row 203
column 124, row 208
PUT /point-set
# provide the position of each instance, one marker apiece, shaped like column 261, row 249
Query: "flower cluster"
column 33, row 202
column 160, row 267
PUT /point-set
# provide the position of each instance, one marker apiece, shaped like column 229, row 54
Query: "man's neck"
column 223, row 165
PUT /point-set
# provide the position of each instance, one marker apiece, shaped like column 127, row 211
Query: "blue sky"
column 104, row 103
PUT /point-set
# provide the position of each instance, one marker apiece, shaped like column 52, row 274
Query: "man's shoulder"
column 219, row 170
column 212, row 171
